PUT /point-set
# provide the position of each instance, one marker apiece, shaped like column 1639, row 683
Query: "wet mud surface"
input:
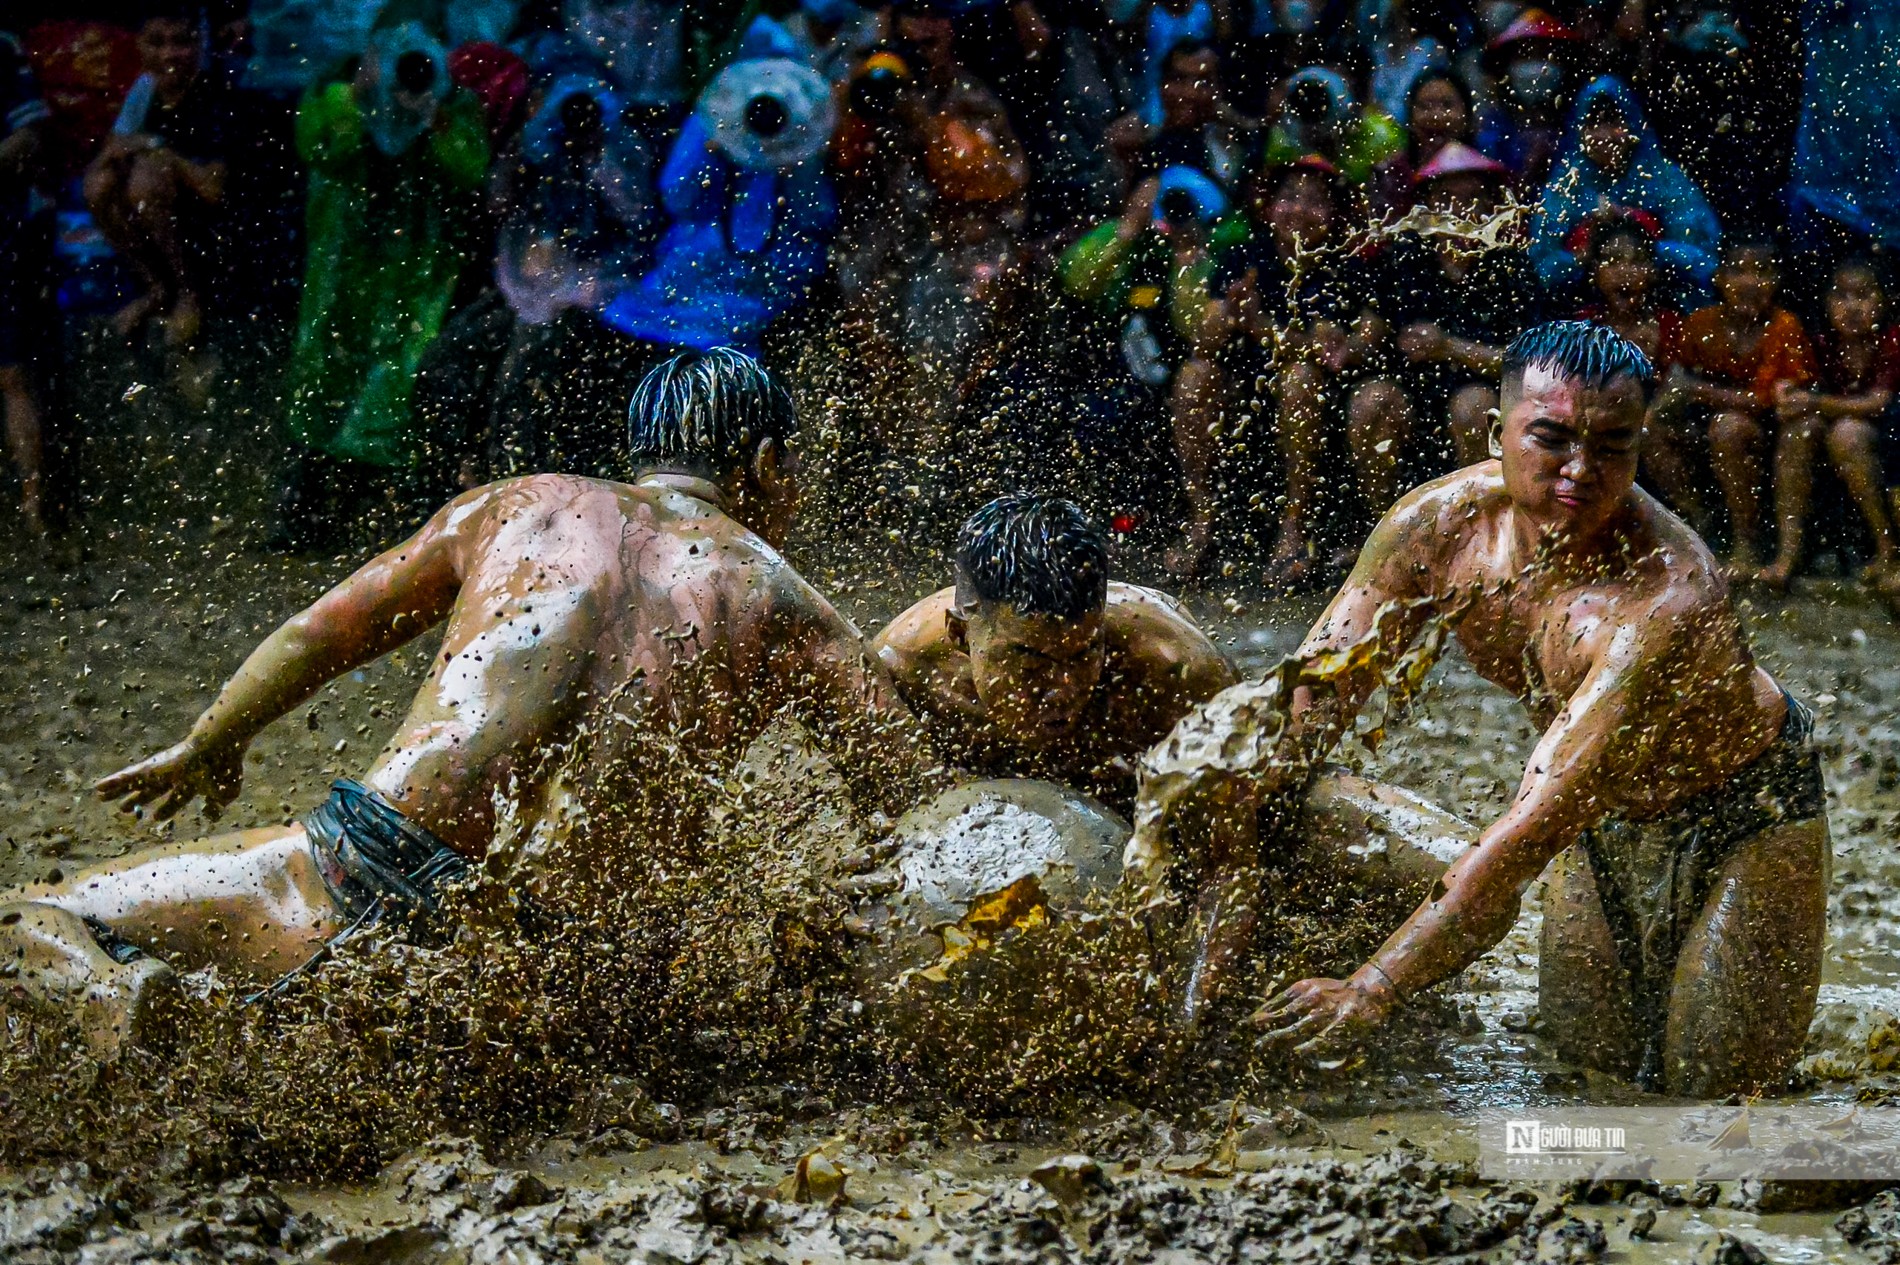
column 107, row 660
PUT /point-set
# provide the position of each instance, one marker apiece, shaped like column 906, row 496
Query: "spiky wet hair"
column 706, row 410
column 1037, row 553
column 1589, row 353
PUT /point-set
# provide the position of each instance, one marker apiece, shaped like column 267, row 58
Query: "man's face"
column 1464, row 193
column 1188, row 92
column 1747, row 283
column 1625, row 273
column 1301, row 208
column 169, row 49
column 1570, row 450
column 1854, row 304
column 1608, row 142
column 1033, row 673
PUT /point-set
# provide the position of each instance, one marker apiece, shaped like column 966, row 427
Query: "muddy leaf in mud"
column 1072, row 1179
column 815, row 1179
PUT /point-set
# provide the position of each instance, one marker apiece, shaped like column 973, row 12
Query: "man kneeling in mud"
column 1675, row 780
column 559, row 593
column 1036, row 664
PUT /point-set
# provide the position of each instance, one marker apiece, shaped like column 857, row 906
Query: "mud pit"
column 111, row 660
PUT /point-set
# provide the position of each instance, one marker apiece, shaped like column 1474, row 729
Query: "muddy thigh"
column 1750, row 969
column 251, row 901
column 1583, row 992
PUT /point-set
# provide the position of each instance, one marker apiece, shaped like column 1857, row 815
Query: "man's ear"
column 1496, row 419
column 768, row 458
column 956, row 626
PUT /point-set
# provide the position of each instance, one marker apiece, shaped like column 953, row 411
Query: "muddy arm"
column 386, row 603
column 1603, row 736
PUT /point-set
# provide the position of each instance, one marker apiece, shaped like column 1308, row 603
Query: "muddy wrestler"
column 556, row 592
column 1675, row 784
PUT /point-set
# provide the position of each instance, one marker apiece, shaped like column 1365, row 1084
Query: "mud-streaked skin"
column 558, row 593
column 1612, row 622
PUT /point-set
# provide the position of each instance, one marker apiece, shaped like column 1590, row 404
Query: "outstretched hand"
column 177, row 775
column 1323, row 1018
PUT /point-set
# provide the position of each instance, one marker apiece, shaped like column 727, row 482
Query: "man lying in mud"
column 1036, row 664
column 1675, row 780
column 559, row 593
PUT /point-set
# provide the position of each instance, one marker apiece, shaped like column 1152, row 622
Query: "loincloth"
column 1653, row 876
column 376, row 864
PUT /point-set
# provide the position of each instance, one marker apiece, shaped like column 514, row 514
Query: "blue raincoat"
column 1651, row 182
column 744, row 245
column 1847, row 152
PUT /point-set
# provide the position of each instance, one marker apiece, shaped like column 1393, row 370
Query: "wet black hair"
column 1616, row 227
column 1037, row 553
column 1589, row 353
column 706, row 410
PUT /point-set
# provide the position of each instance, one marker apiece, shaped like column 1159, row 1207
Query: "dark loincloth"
column 1653, row 876
column 376, row 865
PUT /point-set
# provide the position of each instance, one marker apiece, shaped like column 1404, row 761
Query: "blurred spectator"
column 1145, row 274
column 1847, row 152
column 750, row 205
column 1196, row 127
column 1846, row 415
column 1308, row 335
column 835, row 35
column 157, row 184
column 1522, row 125
column 1736, row 356
column 526, row 378
column 1318, row 115
column 1172, row 25
column 1455, row 304
column 396, row 157
column 1610, row 158
column 1437, row 112
column 1619, row 254
column 29, row 316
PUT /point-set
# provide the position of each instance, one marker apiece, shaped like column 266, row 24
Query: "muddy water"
column 103, row 662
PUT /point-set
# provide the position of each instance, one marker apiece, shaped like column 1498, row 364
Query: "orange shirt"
column 1782, row 354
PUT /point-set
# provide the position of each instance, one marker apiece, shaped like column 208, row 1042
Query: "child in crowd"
column 1844, row 414
column 1737, row 355
column 1618, row 249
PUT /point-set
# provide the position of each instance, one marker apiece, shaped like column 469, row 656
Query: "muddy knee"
column 1583, row 992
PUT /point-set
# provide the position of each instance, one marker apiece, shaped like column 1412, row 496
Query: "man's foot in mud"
column 135, row 1007
column 184, row 321
column 1743, row 566
column 1291, row 566
column 1187, row 559
column 1776, row 576
column 129, row 319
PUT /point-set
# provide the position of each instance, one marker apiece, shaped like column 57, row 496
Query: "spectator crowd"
column 1235, row 273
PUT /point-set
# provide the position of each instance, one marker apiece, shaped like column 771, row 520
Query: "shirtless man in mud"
column 558, row 592
column 1036, row 664
column 1675, row 782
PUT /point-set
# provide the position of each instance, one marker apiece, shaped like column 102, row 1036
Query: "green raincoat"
column 387, row 238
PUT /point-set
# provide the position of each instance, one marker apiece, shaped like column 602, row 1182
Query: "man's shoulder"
column 917, row 638
column 1450, row 506
column 1152, row 632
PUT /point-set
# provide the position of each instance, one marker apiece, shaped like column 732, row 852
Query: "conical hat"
column 1457, row 159
column 769, row 112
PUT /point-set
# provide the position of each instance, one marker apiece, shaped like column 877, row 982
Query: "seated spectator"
column 1619, row 255
column 1195, row 126
column 1144, row 275
column 396, row 160
column 1846, row 414
column 29, row 319
column 155, row 186
column 1610, row 158
column 1311, row 340
column 1171, row 26
column 1455, row 304
column 1736, row 356
column 1438, row 112
column 1319, row 115
column 1522, row 125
